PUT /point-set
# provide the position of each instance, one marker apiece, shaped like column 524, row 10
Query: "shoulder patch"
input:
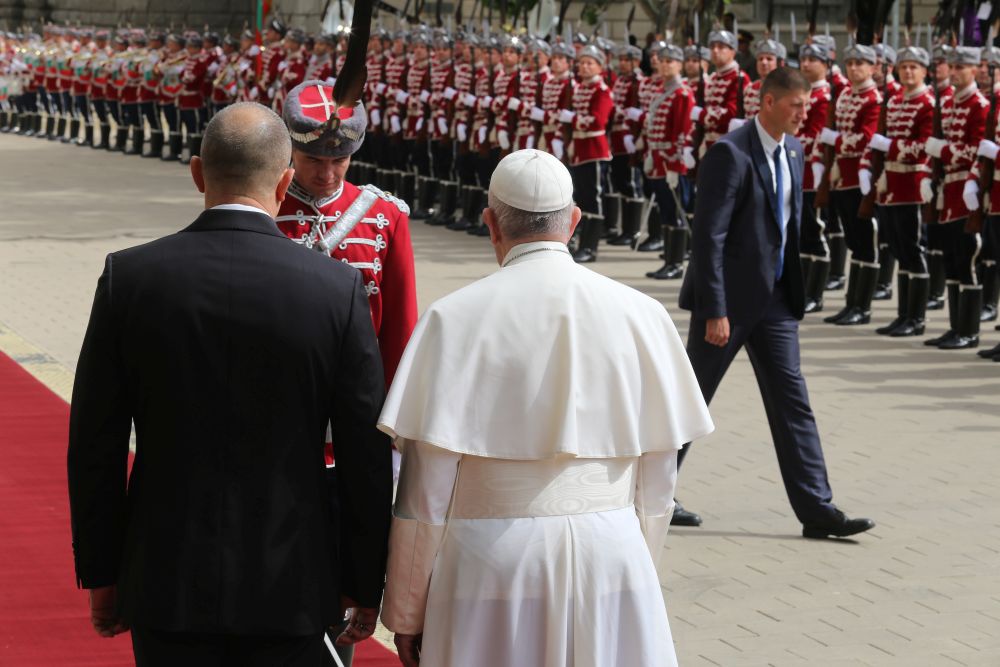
column 382, row 194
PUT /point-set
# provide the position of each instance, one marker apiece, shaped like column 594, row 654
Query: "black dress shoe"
column 989, row 313
column 835, row 283
column 682, row 517
column 836, row 526
column 946, row 336
column 814, row 306
column 882, row 293
column 584, row 256
column 892, row 326
column 990, row 353
column 855, row 316
column 936, row 302
column 909, row 327
column 667, row 272
column 839, row 315
column 651, row 245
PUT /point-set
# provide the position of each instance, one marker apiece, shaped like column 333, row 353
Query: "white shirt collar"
column 766, row 140
column 524, row 252
column 239, row 207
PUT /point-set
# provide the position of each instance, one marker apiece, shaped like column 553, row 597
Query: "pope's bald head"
column 245, row 150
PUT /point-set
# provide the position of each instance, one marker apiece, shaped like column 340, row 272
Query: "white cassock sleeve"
column 426, row 482
column 654, row 498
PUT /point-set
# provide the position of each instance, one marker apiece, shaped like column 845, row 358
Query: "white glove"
column 487, row 101
column 926, row 191
column 557, row 148
column 828, row 136
column 970, row 195
column 934, row 146
column 425, row 95
column 696, row 113
column 331, row 81
column 865, row 181
column 736, row 123
column 566, row 116
column 462, row 131
column 420, row 124
column 401, row 96
column 513, row 104
column 988, row 150
column 818, row 169
column 531, row 142
column 673, row 179
column 880, row 143
column 633, row 114
column 376, row 117
column 629, row 142
column 503, row 139
column 688, row 157
column 442, row 125
column 380, row 87
column 537, row 114
column 394, row 124
column 450, row 93
column 482, row 135
column 469, row 100
column 283, row 65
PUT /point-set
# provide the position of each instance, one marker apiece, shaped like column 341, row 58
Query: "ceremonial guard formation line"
column 900, row 144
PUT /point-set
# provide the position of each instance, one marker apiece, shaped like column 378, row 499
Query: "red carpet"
column 44, row 619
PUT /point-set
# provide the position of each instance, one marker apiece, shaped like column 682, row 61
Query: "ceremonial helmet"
column 629, row 51
column 964, row 55
column 563, row 49
column 319, row 127
column 886, row 53
column 768, row 47
column 917, row 55
column 594, row 53
column 277, row 26
column 671, row 52
column 723, row 37
column 539, row 45
column 514, row 42
column 861, row 52
column 815, row 50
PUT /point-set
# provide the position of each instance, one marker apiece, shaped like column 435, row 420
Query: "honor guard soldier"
column 372, row 152
column 454, row 192
column 249, row 55
column 943, row 91
column 149, row 94
column 131, row 130
column 171, row 70
column 320, row 65
column 623, row 177
column 292, row 68
column 963, row 122
column 814, row 62
column 396, row 68
column 904, row 182
column 557, row 94
column 116, row 87
column 191, row 100
column 767, row 54
column 666, row 138
column 82, row 76
column 588, row 152
column 439, row 125
column 416, row 97
column 885, row 67
column 360, row 226
column 989, row 80
column 857, row 112
column 724, row 90
column 271, row 55
column 506, row 101
column 838, row 81
column 696, row 61
column 885, row 63
column 64, row 84
column 227, row 81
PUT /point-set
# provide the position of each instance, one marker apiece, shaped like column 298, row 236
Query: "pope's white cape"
column 544, row 358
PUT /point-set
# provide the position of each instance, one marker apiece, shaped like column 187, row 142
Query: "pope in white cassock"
column 539, row 412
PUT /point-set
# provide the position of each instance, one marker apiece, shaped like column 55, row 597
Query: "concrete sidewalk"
column 911, row 436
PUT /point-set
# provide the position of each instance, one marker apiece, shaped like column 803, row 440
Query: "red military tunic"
column 506, row 85
column 133, row 75
column 625, row 95
column 721, row 95
column 667, row 130
column 909, row 123
column 395, row 81
column 271, row 56
column 149, row 91
column 817, row 107
column 483, row 88
column 557, row 94
column 418, row 88
column 442, row 76
column 464, row 106
column 991, row 201
column 374, row 88
column 172, row 69
column 193, row 81
column 592, row 108
column 379, row 246
column 840, row 82
column 291, row 72
column 751, row 99
column 857, row 120
column 529, row 94
column 99, row 79
column 226, row 84
column 320, row 68
column 963, row 121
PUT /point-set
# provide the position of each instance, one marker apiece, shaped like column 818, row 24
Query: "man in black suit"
column 744, row 289
column 230, row 348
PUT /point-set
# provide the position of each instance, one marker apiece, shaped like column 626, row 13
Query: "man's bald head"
column 245, row 151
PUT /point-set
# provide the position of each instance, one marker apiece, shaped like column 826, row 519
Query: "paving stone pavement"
column 910, row 436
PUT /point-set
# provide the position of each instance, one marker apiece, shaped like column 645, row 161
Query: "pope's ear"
column 574, row 219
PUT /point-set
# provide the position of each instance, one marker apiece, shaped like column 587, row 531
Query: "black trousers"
column 42, row 100
column 130, row 114
column 465, row 166
column 812, row 241
column 961, row 252
column 991, row 239
column 419, row 156
column 101, row 110
column 191, row 119
column 66, row 102
column 151, row 112
column 901, row 225
column 772, row 343
column 486, row 164
column 82, row 107
column 587, row 190
column 666, row 204
column 861, row 233
column 155, row 648
column 624, row 177
column 170, row 115
column 442, row 159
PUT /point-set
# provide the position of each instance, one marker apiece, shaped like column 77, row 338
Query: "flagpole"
column 259, row 12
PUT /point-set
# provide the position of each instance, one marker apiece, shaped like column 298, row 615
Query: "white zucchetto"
column 533, row 181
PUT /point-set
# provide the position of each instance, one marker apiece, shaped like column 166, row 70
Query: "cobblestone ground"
column 910, row 435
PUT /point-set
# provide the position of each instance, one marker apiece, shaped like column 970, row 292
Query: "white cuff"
column 689, row 160
column 394, row 124
column 450, row 93
column 736, row 123
column 696, row 113
column 934, row 146
column 401, row 96
column 461, row 131
column 988, row 149
column 513, row 104
column 828, row 136
column 557, row 148
column 880, row 143
column 537, row 114
column 566, row 116
column 818, row 168
column 629, row 142
column 926, row 191
column 442, row 125
column 469, row 100
column 380, row 87
column 425, row 95
column 503, row 139
column 970, row 195
column 633, row 113
column 865, row 181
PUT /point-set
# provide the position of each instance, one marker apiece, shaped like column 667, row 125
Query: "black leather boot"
column 653, row 242
column 60, row 129
column 917, row 289
column 819, row 270
column 155, row 144
column 6, row 121
column 138, row 137
column 449, row 199
column 422, row 201
column 631, row 216
column 174, row 143
column 590, row 236
column 74, row 132
column 27, row 128
column 952, row 332
column 463, row 220
column 852, row 288
column 194, row 148
column 88, row 136
column 479, row 227
column 121, row 138
column 611, row 205
column 49, row 128
column 935, row 267
column 676, row 245
column 408, row 188
column 970, row 306
column 861, row 312
column 991, row 288
column 887, row 262
column 838, row 258
column 902, row 304
column 103, row 135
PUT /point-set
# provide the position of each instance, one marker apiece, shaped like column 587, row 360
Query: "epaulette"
column 399, row 203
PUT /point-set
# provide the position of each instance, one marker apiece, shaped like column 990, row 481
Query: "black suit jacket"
column 735, row 236
column 230, row 347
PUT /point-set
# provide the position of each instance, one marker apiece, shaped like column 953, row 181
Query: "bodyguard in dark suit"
column 744, row 288
column 231, row 348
